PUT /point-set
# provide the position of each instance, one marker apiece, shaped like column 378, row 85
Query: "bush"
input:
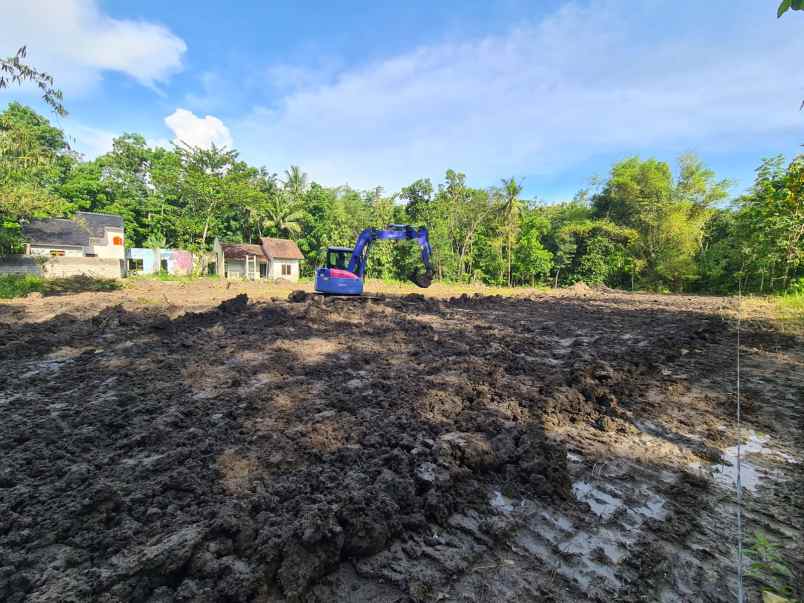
column 19, row 285
column 797, row 287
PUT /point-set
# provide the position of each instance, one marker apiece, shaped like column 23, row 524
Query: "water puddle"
column 602, row 504
column 751, row 474
column 501, row 503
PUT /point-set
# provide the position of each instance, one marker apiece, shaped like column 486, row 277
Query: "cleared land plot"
column 170, row 441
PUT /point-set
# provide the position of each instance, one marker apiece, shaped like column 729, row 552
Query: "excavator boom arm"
column 394, row 232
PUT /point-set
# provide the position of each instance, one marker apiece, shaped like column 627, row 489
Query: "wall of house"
column 107, row 249
column 276, row 270
column 147, row 257
column 235, row 268
column 61, row 267
column 44, row 250
column 179, row 262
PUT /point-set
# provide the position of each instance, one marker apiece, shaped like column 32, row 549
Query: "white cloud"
column 615, row 77
column 198, row 131
column 76, row 42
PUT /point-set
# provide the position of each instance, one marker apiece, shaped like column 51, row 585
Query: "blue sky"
column 376, row 93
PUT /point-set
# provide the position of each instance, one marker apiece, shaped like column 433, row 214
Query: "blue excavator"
column 345, row 268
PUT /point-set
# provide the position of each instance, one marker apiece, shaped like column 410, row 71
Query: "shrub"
column 19, row 285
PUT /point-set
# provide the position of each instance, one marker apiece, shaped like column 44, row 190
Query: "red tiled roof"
column 282, row 249
column 239, row 251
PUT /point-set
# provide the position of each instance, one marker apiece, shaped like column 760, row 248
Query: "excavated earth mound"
column 391, row 449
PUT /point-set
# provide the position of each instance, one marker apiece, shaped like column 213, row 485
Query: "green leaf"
column 785, row 4
column 797, row 4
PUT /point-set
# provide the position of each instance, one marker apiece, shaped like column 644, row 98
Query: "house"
column 171, row 261
column 272, row 259
column 285, row 258
column 87, row 234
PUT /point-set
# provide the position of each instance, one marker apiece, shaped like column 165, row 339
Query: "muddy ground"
column 176, row 445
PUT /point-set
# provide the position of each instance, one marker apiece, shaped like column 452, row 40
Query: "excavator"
column 346, row 267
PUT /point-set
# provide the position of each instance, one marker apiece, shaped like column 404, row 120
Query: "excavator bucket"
column 422, row 279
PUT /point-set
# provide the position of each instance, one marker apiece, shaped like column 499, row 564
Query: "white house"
column 272, row 259
column 285, row 258
column 85, row 235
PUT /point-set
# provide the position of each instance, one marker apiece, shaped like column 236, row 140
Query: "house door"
column 264, row 270
column 251, row 267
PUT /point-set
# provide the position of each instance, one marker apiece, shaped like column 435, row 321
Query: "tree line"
column 643, row 227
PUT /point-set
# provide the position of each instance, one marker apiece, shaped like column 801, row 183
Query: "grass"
column 790, row 309
column 784, row 312
column 165, row 277
column 20, row 285
column 768, row 567
column 13, row 285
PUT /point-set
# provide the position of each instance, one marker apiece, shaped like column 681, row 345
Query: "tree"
column 34, row 160
column 719, row 258
column 295, row 183
column 596, row 251
column 13, row 70
column 125, row 177
column 510, row 208
column 668, row 216
column 696, row 184
column 532, row 261
column 204, row 193
column 283, row 215
column 770, row 225
column 418, row 197
column 786, row 5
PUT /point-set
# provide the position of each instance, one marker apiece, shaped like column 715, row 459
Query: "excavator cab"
column 338, row 257
column 335, row 278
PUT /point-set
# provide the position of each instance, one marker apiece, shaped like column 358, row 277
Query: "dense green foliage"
column 644, row 228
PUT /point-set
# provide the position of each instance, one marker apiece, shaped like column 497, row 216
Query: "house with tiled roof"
column 87, row 234
column 271, row 259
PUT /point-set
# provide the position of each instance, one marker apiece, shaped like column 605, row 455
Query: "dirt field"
column 181, row 442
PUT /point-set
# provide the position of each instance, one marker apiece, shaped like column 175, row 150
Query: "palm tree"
column 283, row 215
column 295, row 182
column 510, row 208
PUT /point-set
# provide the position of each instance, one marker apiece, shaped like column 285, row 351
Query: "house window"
column 286, row 270
column 117, row 241
column 134, row 265
column 56, row 252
